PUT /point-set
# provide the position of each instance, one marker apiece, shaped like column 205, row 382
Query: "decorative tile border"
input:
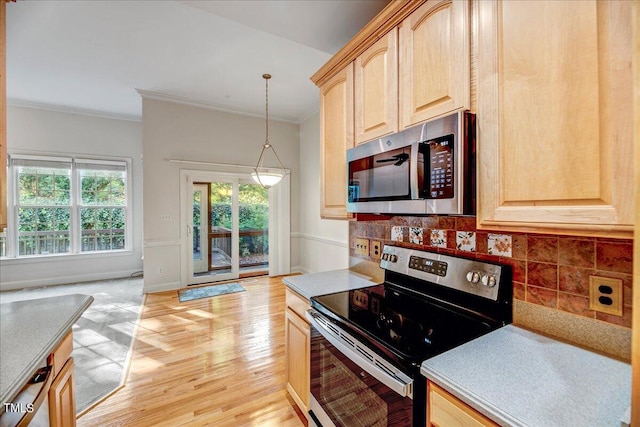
column 396, row 233
column 548, row 270
column 500, row 245
column 415, row 235
column 439, row 238
column 466, row 241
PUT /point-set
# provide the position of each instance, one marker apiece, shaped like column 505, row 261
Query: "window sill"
column 63, row 257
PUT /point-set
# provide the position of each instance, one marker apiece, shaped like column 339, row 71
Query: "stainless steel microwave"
column 426, row 169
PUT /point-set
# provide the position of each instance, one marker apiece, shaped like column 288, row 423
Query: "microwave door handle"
column 413, row 171
column 398, row 159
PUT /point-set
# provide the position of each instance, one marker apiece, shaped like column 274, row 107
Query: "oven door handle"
column 398, row 382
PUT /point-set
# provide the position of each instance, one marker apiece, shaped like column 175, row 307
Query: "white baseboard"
column 64, row 280
column 161, row 287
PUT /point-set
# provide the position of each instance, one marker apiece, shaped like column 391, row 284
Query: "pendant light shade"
column 267, row 176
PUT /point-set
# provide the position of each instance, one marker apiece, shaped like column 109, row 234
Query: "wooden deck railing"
column 220, row 238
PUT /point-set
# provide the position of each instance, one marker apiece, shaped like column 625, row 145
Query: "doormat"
column 209, row 291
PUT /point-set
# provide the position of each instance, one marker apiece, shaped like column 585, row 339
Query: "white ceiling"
column 93, row 55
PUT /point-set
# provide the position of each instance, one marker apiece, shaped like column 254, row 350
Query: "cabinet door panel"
column 554, row 117
column 376, row 89
column 62, row 401
column 549, row 96
column 297, row 333
column 336, row 136
column 434, row 61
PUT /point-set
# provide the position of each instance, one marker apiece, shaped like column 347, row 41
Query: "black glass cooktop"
column 400, row 325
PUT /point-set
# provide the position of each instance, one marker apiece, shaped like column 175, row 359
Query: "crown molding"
column 158, row 96
column 72, row 110
column 389, row 17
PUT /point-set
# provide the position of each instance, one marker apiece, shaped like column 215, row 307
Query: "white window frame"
column 11, row 234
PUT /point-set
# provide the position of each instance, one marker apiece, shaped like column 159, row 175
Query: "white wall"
column 321, row 244
column 178, row 131
column 174, row 131
column 37, row 131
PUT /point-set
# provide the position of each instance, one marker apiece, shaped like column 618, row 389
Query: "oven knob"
column 473, row 277
column 489, row 280
column 393, row 258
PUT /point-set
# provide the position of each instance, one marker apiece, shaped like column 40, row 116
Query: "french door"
column 227, row 224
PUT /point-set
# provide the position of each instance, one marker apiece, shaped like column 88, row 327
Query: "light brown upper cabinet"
column 434, row 61
column 336, row 136
column 376, row 89
column 555, row 117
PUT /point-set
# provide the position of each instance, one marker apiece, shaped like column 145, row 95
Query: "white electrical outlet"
column 161, row 270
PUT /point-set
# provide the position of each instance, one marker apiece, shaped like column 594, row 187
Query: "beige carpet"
column 102, row 337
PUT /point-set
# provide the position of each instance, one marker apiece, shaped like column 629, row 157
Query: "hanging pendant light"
column 266, row 176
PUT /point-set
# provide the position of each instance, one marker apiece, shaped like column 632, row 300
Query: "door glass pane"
column 200, row 229
column 221, row 227
column 254, row 227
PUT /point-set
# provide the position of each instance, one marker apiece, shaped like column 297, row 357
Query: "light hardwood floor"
column 214, row 361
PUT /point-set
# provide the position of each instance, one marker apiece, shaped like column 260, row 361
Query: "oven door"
column 351, row 385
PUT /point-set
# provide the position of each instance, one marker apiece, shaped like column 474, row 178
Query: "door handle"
column 398, row 159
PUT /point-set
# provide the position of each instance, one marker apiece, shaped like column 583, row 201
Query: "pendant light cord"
column 266, row 84
column 267, row 144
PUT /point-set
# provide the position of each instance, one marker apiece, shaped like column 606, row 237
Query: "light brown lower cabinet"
column 297, row 349
column 445, row 410
column 62, row 396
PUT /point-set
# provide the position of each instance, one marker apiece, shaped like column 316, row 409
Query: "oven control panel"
column 427, row 265
column 471, row 276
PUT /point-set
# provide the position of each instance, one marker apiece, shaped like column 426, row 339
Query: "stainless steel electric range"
column 367, row 344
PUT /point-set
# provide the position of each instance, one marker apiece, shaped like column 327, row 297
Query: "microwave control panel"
column 439, row 164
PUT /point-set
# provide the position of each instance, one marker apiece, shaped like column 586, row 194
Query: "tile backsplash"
column 548, row 270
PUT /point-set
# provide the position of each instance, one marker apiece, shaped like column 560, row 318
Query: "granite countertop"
column 327, row 282
column 29, row 332
column 520, row 378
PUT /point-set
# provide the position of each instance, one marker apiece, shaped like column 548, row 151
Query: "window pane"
column 102, row 187
column 63, row 190
column 103, row 229
column 87, row 219
column 118, row 191
column 26, row 219
column 27, row 189
column 43, row 231
column 43, row 186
